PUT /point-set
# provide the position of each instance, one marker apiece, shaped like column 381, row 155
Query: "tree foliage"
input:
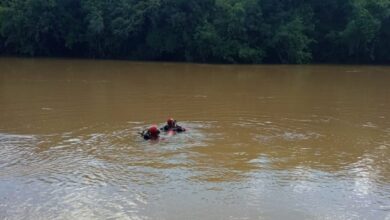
column 223, row 31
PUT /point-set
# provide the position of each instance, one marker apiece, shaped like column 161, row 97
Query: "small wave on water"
column 286, row 136
column 369, row 125
column 266, row 131
column 15, row 149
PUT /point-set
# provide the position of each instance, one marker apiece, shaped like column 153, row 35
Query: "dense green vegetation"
column 228, row 31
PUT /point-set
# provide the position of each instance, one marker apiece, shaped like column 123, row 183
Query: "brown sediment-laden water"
column 263, row 142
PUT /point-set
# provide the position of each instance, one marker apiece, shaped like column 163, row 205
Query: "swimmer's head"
column 171, row 122
column 153, row 130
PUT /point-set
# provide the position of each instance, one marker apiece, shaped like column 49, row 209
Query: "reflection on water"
column 263, row 142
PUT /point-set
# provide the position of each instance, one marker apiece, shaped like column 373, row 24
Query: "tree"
column 290, row 25
column 223, row 31
column 358, row 37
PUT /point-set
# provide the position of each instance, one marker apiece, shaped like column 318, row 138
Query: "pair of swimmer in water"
column 153, row 132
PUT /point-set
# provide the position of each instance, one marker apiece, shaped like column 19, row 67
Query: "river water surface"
column 263, row 142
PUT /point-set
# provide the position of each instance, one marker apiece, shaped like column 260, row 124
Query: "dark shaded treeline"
column 227, row 31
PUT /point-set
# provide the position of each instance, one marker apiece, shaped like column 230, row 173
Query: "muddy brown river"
column 263, row 142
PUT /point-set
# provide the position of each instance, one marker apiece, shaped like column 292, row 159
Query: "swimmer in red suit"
column 172, row 126
column 151, row 133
